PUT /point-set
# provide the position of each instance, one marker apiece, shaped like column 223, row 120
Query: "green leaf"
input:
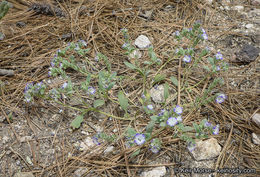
column 149, row 127
column 131, row 132
column 135, row 153
column 174, row 81
column 130, row 65
column 123, row 101
column 196, row 127
column 98, row 103
column 148, row 62
column 77, row 122
column 211, row 61
column 162, row 124
column 158, row 78
column 207, row 68
column 154, row 118
column 166, row 91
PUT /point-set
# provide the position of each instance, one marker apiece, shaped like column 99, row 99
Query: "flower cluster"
column 34, row 90
column 221, row 98
column 172, row 121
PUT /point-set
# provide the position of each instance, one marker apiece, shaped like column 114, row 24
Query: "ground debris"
column 46, row 9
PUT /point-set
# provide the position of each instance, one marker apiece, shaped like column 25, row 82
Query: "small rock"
column 206, row 150
column 209, row 2
column 157, row 94
column 25, row 138
column 142, row 42
column 238, row 8
column 86, row 144
column 202, row 168
column 247, row 54
column 5, row 139
column 256, row 138
column 24, row 174
column 255, row 2
column 109, row 149
column 80, row 172
column 135, row 54
column 156, row 172
column 248, row 26
column 20, row 24
column 256, row 119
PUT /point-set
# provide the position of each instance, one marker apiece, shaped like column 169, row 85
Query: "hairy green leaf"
column 98, row 103
column 174, row 81
column 123, row 101
column 77, row 122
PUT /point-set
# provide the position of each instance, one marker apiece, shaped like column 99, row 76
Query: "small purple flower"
column 150, row 107
column 64, row 85
column 125, row 45
column 177, row 33
column 84, row 43
column 28, row 86
column 52, row 64
column 172, row 121
column 190, row 29
column 203, row 31
column 187, row 58
column 77, row 47
column 204, row 36
column 218, row 68
column 221, row 98
column 95, row 140
column 207, row 124
column 216, row 129
column 219, row 56
column 191, row 146
column 139, row 139
column 155, row 149
column 91, row 90
column 162, row 112
column 178, row 109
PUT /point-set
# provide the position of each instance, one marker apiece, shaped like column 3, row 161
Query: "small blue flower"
column 187, row 58
column 221, row 98
column 162, row 112
column 190, row 29
column 177, row 33
column 64, row 85
column 203, row 31
column 96, row 140
column 150, row 107
column 155, row 149
column 219, row 56
column 218, row 68
column 91, row 90
column 172, row 121
column 28, row 86
column 177, row 51
column 178, row 109
column 204, row 36
column 216, row 130
column 207, row 124
column 125, row 45
column 191, row 146
column 84, row 43
column 139, row 139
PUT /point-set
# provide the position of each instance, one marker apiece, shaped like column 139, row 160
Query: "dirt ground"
column 37, row 138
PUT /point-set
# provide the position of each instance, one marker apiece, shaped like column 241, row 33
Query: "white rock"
column 25, row 139
column 80, row 171
column 157, row 94
column 238, row 8
column 109, row 149
column 86, row 144
column 135, row 54
column 207, row 149
column 227, row 8
column 256, row 138
column 248, row 26
column 156, row 172
column 209, row 1
column 256, row 119
column 142, row 42
column 255, row 2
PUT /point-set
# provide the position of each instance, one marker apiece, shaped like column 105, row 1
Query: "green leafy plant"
column 170, row 116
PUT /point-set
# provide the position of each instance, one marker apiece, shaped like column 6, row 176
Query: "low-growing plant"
column 172, row 114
